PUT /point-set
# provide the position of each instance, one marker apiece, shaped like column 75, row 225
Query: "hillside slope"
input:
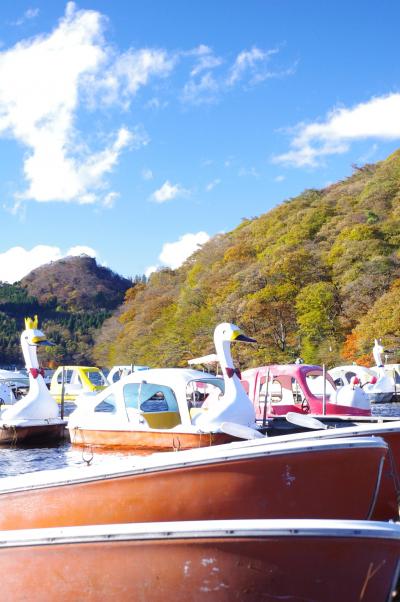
column 317, row 277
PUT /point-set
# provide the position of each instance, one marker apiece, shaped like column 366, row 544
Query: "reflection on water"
column 386, row 409
column 14, row 461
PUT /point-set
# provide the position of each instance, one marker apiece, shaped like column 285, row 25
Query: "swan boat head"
column 234, row 405
column 31, row 338
column 377, row 352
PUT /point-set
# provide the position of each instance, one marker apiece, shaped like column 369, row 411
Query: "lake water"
column 15, row 461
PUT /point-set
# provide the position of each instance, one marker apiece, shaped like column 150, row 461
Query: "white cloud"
column 147, row 174
column 17, row 262
column 156, row 104
column 110, row 199
column 168, row 192
column 379, row 118
column 203, row 91
column 250, row 67
column 44, row 83
column 150, row 270
column 248, row 172
column 206, row 60
column 29, row 14
column 251, row 61
column 129, row 72
column 81, row 250
column 211, row 185
column 173, row 254
column 279, row 179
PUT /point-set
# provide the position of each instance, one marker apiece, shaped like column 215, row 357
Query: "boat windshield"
column 315, row 383
column 200, row 392
column 150, row 397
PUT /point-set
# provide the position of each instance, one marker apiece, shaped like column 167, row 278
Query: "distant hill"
column 72, row 297
column 317, row 277
column 77, row 283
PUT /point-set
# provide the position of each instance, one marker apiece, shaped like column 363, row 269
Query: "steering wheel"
column 305, row 406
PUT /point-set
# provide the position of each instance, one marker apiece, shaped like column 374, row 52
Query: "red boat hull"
column 388, row 500
column 192, row 569
column 307, row 483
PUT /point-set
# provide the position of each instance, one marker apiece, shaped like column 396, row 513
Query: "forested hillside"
column 316, row 277
column 72, row 298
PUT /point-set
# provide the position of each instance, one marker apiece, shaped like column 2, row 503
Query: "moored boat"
column 211, row 560
column 36, row 415
column 118, row 372
column 319, row 479
column 167, row 408
column 68, row 382
column 387, row 503
column 281, row 388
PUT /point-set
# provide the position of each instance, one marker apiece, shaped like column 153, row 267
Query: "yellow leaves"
column 193, row 274
column 358, row 232
column 239, row 252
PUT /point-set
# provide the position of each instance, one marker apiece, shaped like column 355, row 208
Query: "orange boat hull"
column 212, row 568
column 327, row 483
column 143, row 441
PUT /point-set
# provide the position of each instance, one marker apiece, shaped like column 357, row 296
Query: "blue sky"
column 135, row 131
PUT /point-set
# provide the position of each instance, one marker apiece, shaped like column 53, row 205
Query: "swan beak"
column 239, row 336
column 42, row 341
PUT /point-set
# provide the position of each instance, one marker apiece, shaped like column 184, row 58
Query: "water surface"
column 15, row 461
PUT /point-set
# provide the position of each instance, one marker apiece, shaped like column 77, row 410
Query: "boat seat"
column 162, row 420
column 195, row 412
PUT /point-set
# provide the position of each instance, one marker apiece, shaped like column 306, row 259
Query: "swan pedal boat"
column 77, row 380
column 298, row 388
column 296, row 479
column 149, row 411
column 167, row 408
column 34, row 417
column 217, row 561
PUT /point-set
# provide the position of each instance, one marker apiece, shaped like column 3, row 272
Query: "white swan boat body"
column 36, row 415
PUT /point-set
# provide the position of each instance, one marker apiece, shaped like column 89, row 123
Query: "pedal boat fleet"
column 254, row 503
